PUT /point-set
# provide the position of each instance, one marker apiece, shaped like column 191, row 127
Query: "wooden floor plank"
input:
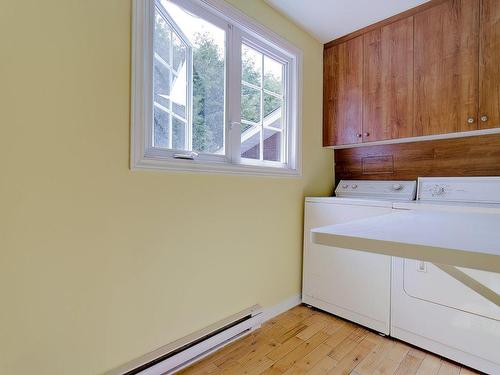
column 352, row 359
column 411, row 362
column 255, row 356
column 333, row 326
column 323, row 366
column 301, row 351
column 311, row 330
column 350, row 342
column 285, row 348
column 430, row 365
column 228, row 360
column 290, row 320
column 468, row 371
column 202, row 368
column 317, row 318
column 374, row 359
column 448, row 368
column 310, row 360
column 303, row 311
column 308, row 341
column 391, row 362
column 340, row 335
column 272, row 371
column 224, row 352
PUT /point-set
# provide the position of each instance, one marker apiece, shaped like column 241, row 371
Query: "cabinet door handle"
column 484, row 118
column 359, row 135
column 470, row 120
column 367, row 134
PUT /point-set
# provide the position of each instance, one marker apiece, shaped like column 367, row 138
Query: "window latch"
column 186, row 155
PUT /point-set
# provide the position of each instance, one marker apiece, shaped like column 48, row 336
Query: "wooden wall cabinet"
column 433, row 70
column 388, row 82
column 489, row 64
column 446, row 68
column 343, row 91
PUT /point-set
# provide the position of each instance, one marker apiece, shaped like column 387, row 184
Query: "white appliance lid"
column 387, row 190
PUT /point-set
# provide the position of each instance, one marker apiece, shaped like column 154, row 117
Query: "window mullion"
column 189, row 100
column 286, row 141
column 170, row 83
column 261, row 148
column 234, row 95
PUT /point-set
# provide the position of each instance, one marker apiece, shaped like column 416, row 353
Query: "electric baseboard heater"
column 184, row 352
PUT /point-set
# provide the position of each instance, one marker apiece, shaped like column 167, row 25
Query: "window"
column 262, row 131
column 212, row 91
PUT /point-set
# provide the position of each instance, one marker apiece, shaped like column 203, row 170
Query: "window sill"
column 200, row 166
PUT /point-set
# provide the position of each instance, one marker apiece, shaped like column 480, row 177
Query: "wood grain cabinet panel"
column 446, row 48
column 489, row 65
column 388, row 82
column 431, row 70
column 467, row 156
column 343, row 93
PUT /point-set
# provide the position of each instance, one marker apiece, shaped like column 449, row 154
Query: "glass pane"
column 251, row 69
column 180, row 53
column 272, row 145
column 207, row 44
column 179, row 92
column 161, row 125
column 273, row 75
column 272, row 111
column 162, row 37
column 250, row 104
column 161, row 84
column 178, row 134
column 250, row 142
column 179, row 110
column 245, row 127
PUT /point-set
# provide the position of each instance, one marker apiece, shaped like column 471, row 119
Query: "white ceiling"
column 330, row 19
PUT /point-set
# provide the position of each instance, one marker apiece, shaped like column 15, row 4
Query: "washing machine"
column 432, row 309
column 351, row 284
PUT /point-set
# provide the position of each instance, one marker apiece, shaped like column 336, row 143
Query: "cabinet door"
column 388, row 82
column 489, row 65
column 343, row 89
column 446, row 68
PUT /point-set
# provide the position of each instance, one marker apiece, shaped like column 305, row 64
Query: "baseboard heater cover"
column 185, row 351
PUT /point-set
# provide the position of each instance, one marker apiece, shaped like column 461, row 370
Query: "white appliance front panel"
column 350, row 284
column 390, row 190
column 459, row 189
column 465, row 337
column 427, row 282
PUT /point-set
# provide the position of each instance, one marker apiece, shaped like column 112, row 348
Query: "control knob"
column 397, row 187
column 438, row 190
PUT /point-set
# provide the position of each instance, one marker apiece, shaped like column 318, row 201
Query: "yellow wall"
column 98, row 264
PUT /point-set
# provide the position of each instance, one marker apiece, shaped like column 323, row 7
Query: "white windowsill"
column 211, row 167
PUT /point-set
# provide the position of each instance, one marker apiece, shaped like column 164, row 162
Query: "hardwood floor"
column 307, row 341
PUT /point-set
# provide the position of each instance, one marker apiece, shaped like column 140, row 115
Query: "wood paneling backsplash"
column 469, row 156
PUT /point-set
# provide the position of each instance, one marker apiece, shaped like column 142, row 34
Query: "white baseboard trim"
column 270, row 312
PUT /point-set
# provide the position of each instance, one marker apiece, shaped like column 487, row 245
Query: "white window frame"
column 239, row 29
column 189, row 75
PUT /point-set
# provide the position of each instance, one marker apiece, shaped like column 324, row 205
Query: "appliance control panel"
column 459, row 189
column 393, row 190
